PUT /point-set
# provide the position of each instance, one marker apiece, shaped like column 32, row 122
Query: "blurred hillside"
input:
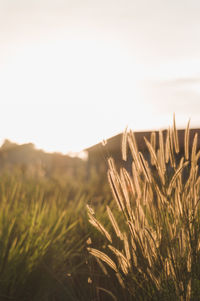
column 87, row 176
column 99, row 153
column 34, row 162
column 29, row 161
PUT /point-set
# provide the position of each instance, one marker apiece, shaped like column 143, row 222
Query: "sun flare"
column 66, row 94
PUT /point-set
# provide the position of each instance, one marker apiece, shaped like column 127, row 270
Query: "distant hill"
column 32, row 161
column 99, row 153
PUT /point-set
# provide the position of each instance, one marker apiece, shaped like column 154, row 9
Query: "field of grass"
column 142, row 242
column 44, row 233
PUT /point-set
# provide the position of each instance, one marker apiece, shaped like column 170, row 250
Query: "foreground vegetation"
column 44, row 233
column 155, row 253
column 142, row 242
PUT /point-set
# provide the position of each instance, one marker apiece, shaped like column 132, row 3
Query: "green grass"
column 43, row 238
column 39, row 241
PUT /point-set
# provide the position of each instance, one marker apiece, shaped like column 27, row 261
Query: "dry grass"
column 159, row 250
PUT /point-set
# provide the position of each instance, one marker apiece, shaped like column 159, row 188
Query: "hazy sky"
column 74, row 72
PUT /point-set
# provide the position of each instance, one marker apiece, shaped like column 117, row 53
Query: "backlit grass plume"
column 155, row 251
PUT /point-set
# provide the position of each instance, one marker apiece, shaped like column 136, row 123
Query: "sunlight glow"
column 73, row 73
column 65, row 96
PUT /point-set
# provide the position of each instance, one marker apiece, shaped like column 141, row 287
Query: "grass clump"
column 40, row 245
column 154, row 250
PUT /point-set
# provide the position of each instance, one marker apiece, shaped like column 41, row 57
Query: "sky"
column 75, row 72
